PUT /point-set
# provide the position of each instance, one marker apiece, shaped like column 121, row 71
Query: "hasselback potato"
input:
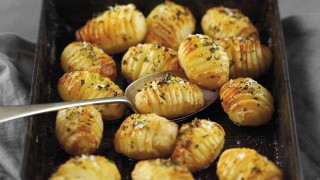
column 160, row 169
column 87, row 168
column 198, row 144
column 84, row 56
column 204, row 61
column 168, row 24
column 246, row 102
column 116, row 29
column 79, row 129
column 145, row 136
column 145, row 59
column 248, row 57
column 222, row 22
column 245, row 163
column 169, row 96
column 81, row 85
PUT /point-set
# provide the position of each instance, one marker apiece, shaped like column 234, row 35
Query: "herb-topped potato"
column 116, row 29
column 198, row 144
column 245, row 163
column 159, row 169
column 145, row 59
column 222, row 22
column 168, row 24
column 204, row 61
column 84, row 56
column 246, row 102
column 145, row 136
column 79, row 130
column 81, row 85
column 169, row 96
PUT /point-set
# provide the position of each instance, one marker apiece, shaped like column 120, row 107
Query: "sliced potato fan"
column 84, row 56
column 222, row 22
column 245, row 163
column 81, row 85
column 159, row 169
column 204, row 61
column 169, row 96
column 168, row 24
column 79, row 130
column 198, row 144
column 246, row 102
column 145, row 136
column 145, row 59
column 116, row 29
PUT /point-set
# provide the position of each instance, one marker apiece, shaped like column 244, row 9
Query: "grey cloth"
column 16, row 64
column 302, row 38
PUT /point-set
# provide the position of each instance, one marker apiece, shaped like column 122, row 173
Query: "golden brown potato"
column 248, row 57
column 79, row 130
column 145, row 136
column 222, row 22
column 168, row 24
column 198, row 144
column 204, row 61
column 246, row 102
column 169, row 96
column 145, row 59
column 245, row 163
column 87, row 168
column 160, row 169
column 81, row 85
column 116, row 29
column 84, row 56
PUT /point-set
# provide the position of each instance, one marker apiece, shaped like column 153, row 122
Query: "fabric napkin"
column 16, row 65
column 302, row 38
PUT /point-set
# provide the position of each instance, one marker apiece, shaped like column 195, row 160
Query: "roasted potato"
column 87, row 168
column 246, row 102
column 245, row 163
column 198, row 144
column 145, row 136
column 81, row 85
column 79, row 129
column 145, row 59
column 222, row 22
column 248, row 57
column 84, row 56
column 204, row 61
column 169, row 96
column 116, row 29
column 160, row 169
column 168, row 24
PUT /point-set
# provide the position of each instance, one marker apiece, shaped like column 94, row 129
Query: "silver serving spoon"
column 8, row 113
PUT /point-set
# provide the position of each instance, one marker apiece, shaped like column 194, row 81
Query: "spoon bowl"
column 8, row 113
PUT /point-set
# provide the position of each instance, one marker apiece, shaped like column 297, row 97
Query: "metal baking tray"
column 61, row 18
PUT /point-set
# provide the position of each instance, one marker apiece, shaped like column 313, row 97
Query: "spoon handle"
column 8, row 113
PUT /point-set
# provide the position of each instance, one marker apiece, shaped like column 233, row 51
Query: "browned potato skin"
column 198, row 144
column 87, row 168
column 79, row 56
column 145, row 136
column 246, row 102
column 115, row 30
column 168, row 24
column 81, row 85
column 160, row 169
column 204, row 61
column 248, row 57
column 79, row 130
column 231, row 166
column 145, row 59
column 170, row 97
column 222, row 22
